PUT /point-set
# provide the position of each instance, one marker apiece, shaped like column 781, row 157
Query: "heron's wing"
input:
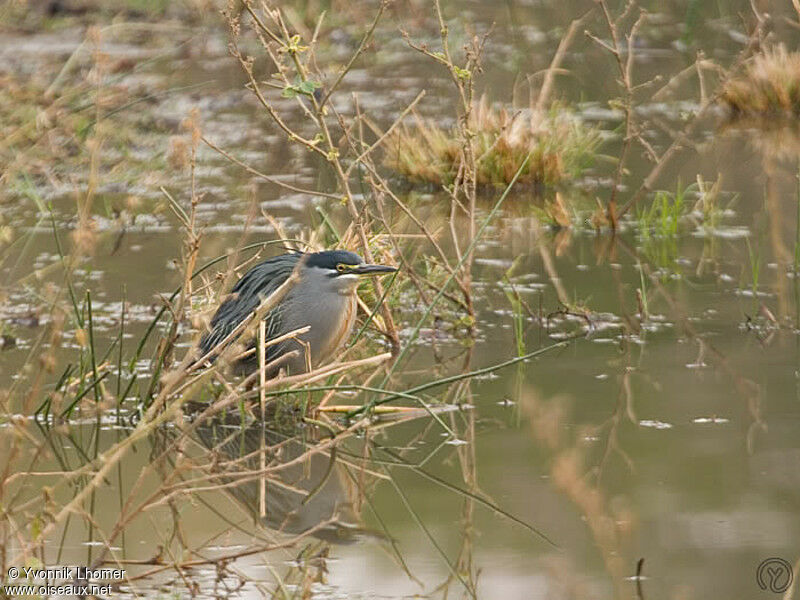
column 258, row 283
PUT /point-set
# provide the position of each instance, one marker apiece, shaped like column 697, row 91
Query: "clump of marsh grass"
column 770, row 84
column 560, row 146
column 663, row 216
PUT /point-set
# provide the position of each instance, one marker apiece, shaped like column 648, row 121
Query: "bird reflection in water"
column 312, row 494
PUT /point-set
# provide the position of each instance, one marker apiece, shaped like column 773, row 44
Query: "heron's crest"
column 328, row 259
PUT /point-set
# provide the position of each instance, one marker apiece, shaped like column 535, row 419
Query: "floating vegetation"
column 770, row 84
column 560, row 145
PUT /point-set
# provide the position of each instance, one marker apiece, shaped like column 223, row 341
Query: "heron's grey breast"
column 319, row 302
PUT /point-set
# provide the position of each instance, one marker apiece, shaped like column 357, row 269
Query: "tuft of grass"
column 770, row 84
column 658, row 226
column 560, row 146
column 754, row 255
column 661, row 219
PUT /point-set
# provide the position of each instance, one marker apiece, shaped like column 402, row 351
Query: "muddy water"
column 668, row 434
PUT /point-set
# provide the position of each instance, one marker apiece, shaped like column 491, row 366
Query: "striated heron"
column 324, row 299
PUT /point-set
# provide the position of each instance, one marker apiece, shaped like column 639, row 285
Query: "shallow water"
column 670, row 436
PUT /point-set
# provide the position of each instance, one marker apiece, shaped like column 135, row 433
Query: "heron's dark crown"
column 328, row 259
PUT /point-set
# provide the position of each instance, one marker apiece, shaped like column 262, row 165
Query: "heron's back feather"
column 254, row 286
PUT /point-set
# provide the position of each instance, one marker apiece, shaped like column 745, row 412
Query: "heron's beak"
column 372, row 270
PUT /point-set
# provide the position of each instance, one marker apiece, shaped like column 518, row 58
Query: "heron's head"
column 344, row 268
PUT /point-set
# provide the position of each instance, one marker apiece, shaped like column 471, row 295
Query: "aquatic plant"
column 662, row 217
column 559, row 144
column 658, row 227
column 769, row 84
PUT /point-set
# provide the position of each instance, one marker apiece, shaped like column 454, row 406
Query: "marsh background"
column 666, row 427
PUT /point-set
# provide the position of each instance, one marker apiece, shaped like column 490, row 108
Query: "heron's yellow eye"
column 341, row 268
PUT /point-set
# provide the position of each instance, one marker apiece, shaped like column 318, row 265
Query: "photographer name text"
column 65, row 573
